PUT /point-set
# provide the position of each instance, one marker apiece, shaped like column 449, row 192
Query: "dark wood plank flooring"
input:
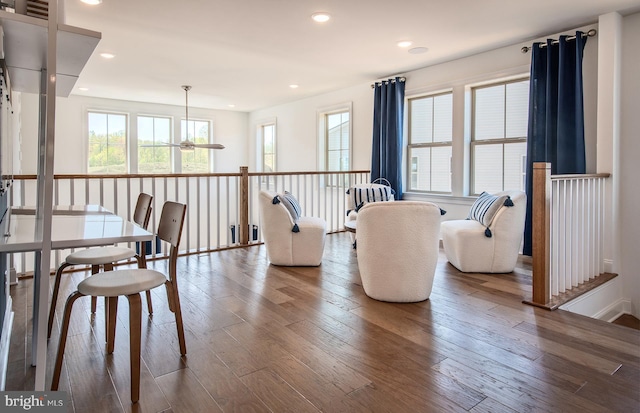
column 275, row 339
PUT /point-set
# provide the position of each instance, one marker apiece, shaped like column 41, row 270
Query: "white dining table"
column 71, row 227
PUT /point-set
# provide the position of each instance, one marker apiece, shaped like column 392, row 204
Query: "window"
column 154, row 156
column 196, row 161
column 268, row 133
column 499, row 135
column 337, row 141
column 107, row 143
column 430, row 138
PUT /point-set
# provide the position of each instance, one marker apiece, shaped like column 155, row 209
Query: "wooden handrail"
column 180, row 175
column 581, row 176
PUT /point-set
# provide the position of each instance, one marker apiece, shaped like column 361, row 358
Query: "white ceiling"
column 248, row 52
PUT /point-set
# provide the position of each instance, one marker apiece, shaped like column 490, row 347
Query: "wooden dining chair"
column 105, row 257
column 130, row 283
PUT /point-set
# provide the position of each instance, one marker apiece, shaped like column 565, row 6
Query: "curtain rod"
column 402, row 79
column 590, row 33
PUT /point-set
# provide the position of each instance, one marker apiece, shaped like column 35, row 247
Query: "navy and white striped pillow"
column 293, row 206
column 486, row 207
column 361, row 196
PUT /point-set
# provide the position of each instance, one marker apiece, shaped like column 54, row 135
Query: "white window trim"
column 260, row 142
column 407, row 164
column 321, row 132
column 134, row 143
column 504, row 141
column 130, row 118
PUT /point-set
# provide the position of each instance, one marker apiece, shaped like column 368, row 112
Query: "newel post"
column 243, row 231
column 541, row 232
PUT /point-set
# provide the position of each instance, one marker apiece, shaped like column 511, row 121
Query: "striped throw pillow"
column 293, row 206
column 486, row 207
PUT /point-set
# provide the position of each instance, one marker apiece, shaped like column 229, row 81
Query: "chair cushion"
column 485, row 208
column 121, row 282
column 99, row 255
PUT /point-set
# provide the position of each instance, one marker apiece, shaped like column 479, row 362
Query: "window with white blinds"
column 429, row 148
column 499, row 136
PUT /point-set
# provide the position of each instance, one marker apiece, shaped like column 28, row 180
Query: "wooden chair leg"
column 149, row 305
column 112, row 314
column 142, row 263
column 135, row 326
column 107, row 267
column 64, row 329
column 94, row 300
column 173, row 290
column 54, row 296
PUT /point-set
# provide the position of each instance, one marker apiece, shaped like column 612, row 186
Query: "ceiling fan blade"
column 209, row 145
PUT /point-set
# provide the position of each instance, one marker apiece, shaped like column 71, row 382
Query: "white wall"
column 297, row 125
column 629, row 195
column 297, row 134
column 229, row 129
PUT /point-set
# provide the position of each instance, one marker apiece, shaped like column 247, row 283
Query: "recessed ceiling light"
column 107, row 55
column 321, row 17
column 84, row 89
column 418, row 50
column 405, row 43
column 293, row 86
column 231, row 105
column 92, row 2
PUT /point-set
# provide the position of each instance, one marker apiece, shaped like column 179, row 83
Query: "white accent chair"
column 398, row 249
column 468, row 248
column 285, row 247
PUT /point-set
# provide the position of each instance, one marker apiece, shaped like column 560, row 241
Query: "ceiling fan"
column 187, row 145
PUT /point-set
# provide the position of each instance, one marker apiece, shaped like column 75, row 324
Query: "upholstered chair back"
column 397, row 249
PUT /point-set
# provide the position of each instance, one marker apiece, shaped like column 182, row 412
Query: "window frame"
column 263, row 152
column 410, row 146
column 171, row 140
column 210, row 164
column 501, row 141
column 341, row 149
column 127, row 138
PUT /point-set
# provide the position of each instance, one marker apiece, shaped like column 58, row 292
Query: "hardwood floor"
column 289, row 339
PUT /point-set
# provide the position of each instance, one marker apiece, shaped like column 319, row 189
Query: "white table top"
column 63, row 210
column 71, row 231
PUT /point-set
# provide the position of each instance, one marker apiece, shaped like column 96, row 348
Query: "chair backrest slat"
column 171, row 222
column 142, row 213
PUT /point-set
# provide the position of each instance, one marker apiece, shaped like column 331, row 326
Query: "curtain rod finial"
column 525, row 49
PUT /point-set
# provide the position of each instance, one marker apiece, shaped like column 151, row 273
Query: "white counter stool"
column 105, row 257
column 130, row 283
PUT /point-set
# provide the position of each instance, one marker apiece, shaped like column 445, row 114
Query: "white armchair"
column 284, row 246
column 471, row 246
column 398, row 249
